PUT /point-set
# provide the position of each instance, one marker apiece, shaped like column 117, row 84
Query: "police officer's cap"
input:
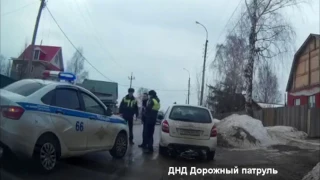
column 152, row 93
column 130, row 90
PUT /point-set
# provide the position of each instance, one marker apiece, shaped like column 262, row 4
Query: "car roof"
column 47, row 82
column 188, row 105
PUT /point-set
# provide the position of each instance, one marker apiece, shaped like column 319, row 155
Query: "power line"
column 215, row 58
column 18, row 9
column 95, row 32
column 74, row 45
column 227, row 23
column 87, row 59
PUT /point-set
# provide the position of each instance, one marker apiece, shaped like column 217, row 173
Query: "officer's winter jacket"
column 152, row 109
column 129, row 107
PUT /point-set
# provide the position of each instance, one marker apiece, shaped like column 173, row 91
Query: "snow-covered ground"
column 314, row 174
column 242, row 131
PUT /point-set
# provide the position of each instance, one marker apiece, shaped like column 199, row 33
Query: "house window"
column 297, row 102
column 18, row 67
column 312, row 101
column 36, row 54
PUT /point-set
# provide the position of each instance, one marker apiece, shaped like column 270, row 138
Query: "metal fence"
column 301, row 117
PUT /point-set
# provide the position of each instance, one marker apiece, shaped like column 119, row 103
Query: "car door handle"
column 92, row 118
column 58, row 111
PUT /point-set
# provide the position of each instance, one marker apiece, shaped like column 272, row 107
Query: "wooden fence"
column 301, row 117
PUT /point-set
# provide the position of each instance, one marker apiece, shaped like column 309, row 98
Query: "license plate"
column 189, row 132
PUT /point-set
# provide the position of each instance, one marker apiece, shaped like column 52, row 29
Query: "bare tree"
column 269, row 35
column 5, row 65
column 140, row 93
column 266, row 87
column 230, row 60
column 76, row 66
column 23, row 50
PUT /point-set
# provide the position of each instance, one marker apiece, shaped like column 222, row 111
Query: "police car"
column 48, row 120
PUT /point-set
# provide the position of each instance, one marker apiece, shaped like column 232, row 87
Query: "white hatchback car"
column 48, row 120
column 187, row 127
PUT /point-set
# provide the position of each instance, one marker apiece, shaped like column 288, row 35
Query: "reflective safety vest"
column 130, row 103
column 156, row 105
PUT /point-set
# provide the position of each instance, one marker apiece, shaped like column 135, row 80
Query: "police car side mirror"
column 108, row 113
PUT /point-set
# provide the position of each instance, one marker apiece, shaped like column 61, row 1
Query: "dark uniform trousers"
column 144, row 130
column 130, row 124
column 149, row 128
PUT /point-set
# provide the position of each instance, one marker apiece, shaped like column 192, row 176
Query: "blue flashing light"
column 66, row 76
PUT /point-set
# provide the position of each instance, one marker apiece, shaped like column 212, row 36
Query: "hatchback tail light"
column 165, row 126
column 214, row 131
column 12, row 112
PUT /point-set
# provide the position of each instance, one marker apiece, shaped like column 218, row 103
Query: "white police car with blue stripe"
column 48, row 120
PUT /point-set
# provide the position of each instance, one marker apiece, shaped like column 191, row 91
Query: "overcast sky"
column 153, row 39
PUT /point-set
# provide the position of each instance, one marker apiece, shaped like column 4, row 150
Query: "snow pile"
column 216, row 121
column 285, row 133
column 314, row 174
column 243, row 131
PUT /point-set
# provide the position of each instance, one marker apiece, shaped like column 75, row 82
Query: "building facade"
column 303, row 86
column 45, row 58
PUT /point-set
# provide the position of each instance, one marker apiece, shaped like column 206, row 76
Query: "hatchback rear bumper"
column 182, row 143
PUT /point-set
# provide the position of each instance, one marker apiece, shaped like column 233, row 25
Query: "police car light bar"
column 58, row 75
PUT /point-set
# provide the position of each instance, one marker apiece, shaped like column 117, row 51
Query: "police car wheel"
column 120, row 146
column 46, row 154
column 210, row 155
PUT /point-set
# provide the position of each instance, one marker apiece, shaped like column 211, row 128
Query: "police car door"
column 98, row 134
column 68, row 118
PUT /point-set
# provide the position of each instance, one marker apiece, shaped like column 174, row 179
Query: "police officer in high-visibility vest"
column 129, row 107
column 153, row 106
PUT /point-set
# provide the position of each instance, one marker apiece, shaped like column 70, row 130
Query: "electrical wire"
column 89, row 61
column 96, row 32
column 99, row 40
column 234, row 11
column 18, row 9
column 74, row 45
column 232, row 30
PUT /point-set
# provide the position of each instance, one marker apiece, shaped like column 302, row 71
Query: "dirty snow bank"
column 314, row 174
column 284, row 133
column 243, row 131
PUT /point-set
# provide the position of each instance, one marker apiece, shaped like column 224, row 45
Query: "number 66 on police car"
column 47, row 120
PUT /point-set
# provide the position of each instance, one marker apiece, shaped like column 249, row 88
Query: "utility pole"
column 188, row 100
column 204, row 64
column 203, row 72
column 131, row 78
column 28, row 70
column 189, row 90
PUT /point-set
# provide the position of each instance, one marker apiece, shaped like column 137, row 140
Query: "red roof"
column 48, row 52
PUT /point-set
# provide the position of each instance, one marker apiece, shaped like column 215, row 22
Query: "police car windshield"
column 24, row 87
column 190, row 114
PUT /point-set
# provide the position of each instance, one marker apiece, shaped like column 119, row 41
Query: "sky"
column 155, row 40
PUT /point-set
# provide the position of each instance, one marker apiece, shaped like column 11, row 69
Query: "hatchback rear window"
column 24, row 87
column 190, row 114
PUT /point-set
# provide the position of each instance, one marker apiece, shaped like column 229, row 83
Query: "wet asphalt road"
column 291, row 163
